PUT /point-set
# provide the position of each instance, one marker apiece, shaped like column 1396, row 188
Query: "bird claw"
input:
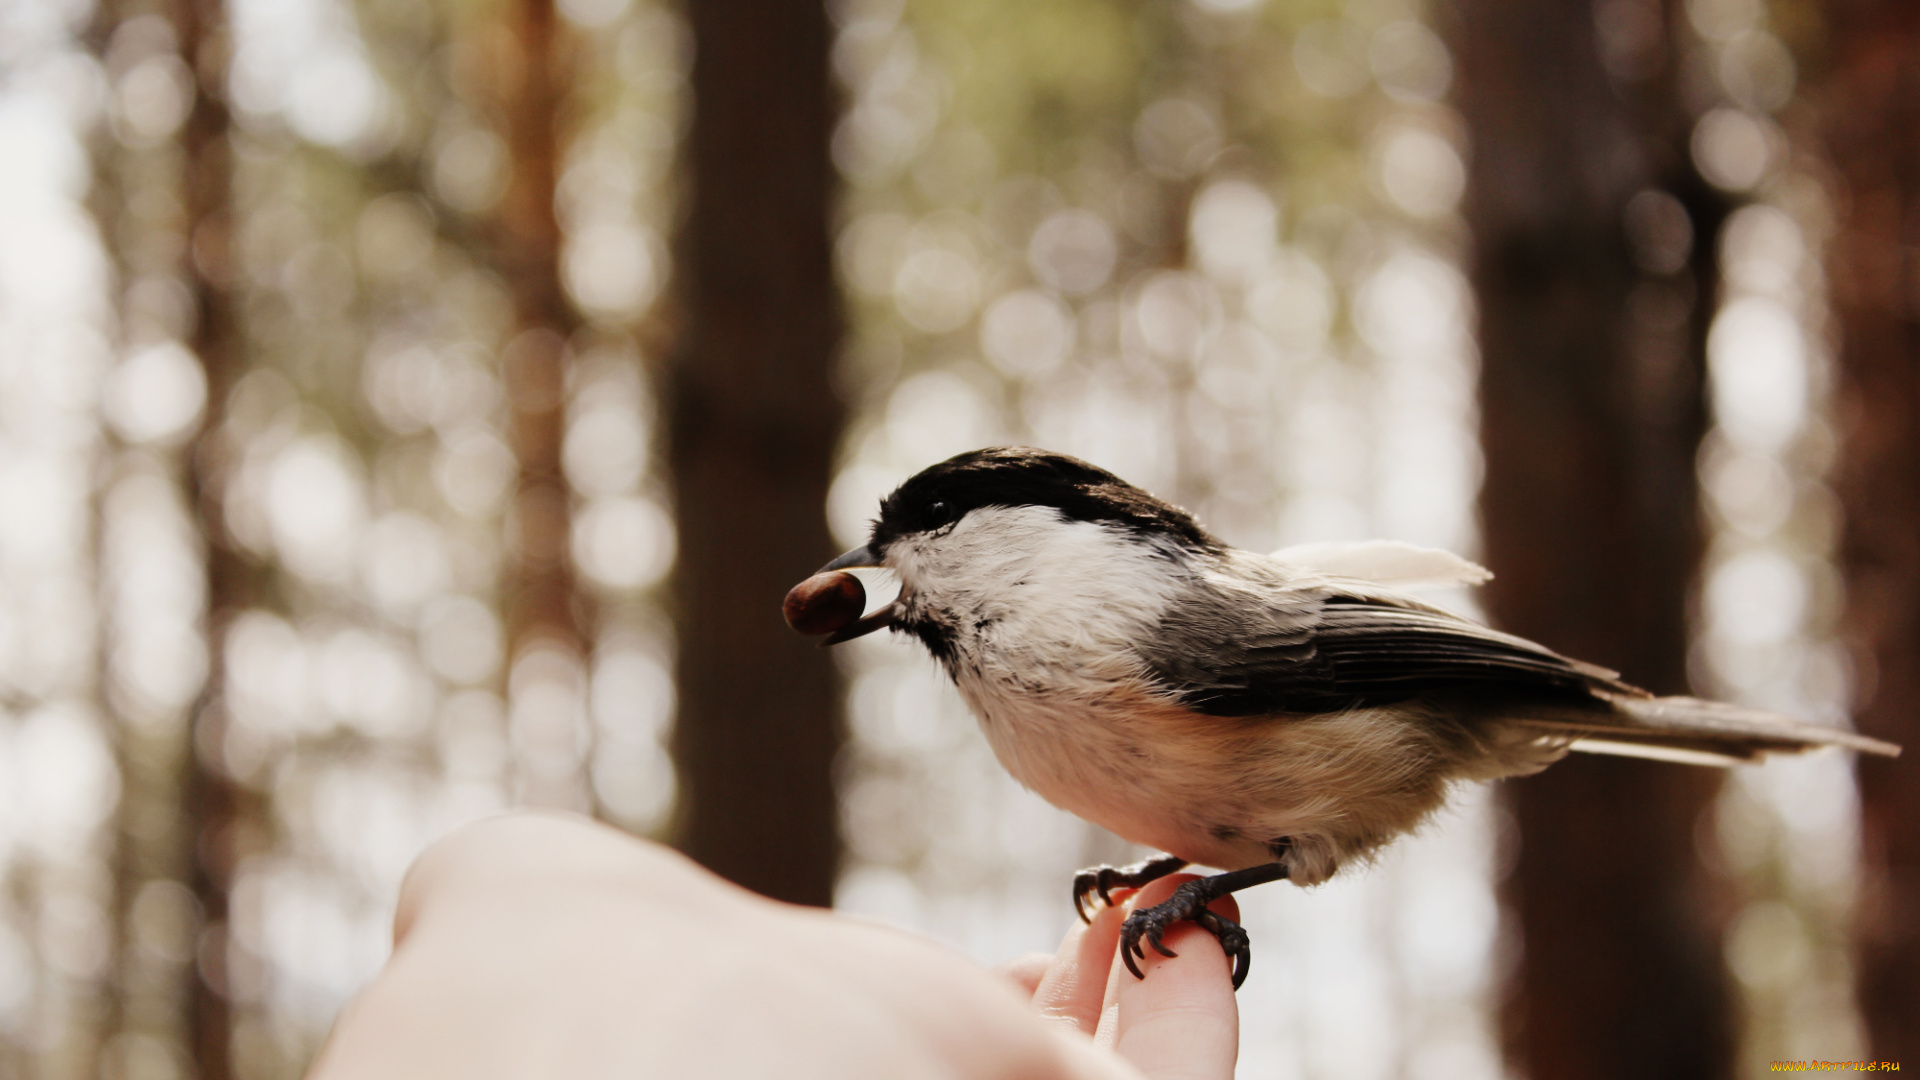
column 1101, row 880
column 1095, row 881
column 1085, row 882
column 1189, row 902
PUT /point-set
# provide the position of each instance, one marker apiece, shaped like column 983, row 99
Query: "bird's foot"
column 1188, row 902
column 1100, row 880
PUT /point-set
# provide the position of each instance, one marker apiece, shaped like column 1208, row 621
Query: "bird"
column 1273, row 716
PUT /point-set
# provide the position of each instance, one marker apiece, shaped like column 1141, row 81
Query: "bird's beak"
column 859, row 557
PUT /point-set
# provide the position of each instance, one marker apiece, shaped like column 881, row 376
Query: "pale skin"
column 540, row 945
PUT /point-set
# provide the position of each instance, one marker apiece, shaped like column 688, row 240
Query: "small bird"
column 1274, row 716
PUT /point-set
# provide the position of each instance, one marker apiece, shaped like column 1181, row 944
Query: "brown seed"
column 825, row 602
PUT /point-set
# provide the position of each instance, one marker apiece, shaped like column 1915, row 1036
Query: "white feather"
column 1387, row 562
column 1043, row 590
column 1654, row 752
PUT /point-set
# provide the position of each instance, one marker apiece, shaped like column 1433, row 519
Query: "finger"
column 1081, row 1060
column 467, row 863
column 1107, row 1030
column 1181, row 1022
column 1026, row 971
column 1071, row 990
column 549, row 857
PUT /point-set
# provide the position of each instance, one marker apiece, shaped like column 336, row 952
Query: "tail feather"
column 1693, row 730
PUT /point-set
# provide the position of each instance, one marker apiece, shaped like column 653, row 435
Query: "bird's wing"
column 1258, row 637
column 1386, row 562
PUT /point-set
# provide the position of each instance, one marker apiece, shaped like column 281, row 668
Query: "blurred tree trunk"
column 755, row 424
column 225, row 821
column 176, row 809
column 1592, row 335
column 1868, row 98
column 142, row 996
column 544, row 606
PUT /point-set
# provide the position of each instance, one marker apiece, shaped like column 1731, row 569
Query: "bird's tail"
column 1692, row 730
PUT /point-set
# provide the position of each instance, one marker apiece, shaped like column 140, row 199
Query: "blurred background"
column 415, row 408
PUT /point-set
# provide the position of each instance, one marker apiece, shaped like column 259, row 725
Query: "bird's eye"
column 939, row 513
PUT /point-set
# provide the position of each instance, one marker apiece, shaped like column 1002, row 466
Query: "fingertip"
column 1026, row 971
column 1182, row 1019
column 1226, row 907
column 1154, row 892
column 1073, row 986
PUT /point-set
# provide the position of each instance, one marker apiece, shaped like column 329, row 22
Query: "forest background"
column 414, row 408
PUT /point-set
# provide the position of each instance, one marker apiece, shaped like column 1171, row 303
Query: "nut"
column 825, row 602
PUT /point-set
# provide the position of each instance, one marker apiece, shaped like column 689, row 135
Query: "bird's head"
column 965, row 523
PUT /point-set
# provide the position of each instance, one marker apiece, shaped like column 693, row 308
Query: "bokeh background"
column 415, row 408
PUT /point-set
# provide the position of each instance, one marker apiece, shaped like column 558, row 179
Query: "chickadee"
column 1275, row 716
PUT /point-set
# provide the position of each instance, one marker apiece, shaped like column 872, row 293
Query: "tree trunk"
column 754, row 427
column 177, row 811
column 1592, row 411
column 544, row 605
column 222, row 817
column 1868, row 101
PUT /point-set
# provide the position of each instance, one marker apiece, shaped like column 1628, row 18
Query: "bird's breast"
column 1121, row 756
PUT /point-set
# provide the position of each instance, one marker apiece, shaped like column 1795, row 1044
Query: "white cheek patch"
column 1028, row 575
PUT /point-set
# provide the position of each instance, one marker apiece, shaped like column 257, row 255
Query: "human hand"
column 537, row 945
column 1181, row 1021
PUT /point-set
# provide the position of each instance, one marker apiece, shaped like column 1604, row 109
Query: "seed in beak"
column 825, row 602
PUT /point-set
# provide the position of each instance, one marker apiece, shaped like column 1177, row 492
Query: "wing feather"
column 1262, row 637
column 1386, row 562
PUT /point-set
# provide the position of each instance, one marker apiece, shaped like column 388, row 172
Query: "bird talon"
column 1102, row 880
column 1233, row 940
column 1147, row 927
column 1084, row 884
column 1189, row 902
